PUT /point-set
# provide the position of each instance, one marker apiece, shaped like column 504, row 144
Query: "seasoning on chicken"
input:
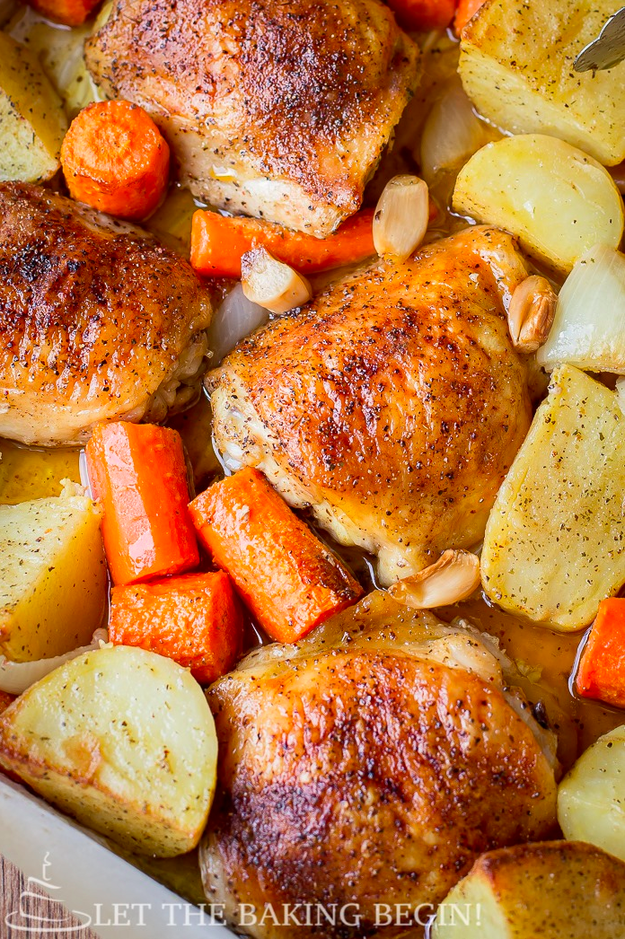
column 393, row 404
column 276, row 109
column 97, row 320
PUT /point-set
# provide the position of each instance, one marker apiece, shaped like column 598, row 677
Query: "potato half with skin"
column 554, row 198
column 554, row 889
column 123, row 740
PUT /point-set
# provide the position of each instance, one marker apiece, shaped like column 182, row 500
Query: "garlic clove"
column 454, row 577
column 272, row 284
column 401, row 217
column 531, row 313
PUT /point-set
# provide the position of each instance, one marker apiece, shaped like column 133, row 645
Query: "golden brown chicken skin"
column 97, row 321
column 365, row 768
column 274, row 108
column 393, row 404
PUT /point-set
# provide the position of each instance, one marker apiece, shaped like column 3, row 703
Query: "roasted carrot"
column 138, row 472
column 194, row 619
column 115, row 159
column 423, row 15
column 68, row 12
column 466, row 9
column 601, row 672
column 290, row 581
column 219, row 243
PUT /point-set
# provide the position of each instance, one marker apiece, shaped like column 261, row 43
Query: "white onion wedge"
column 16, row 677
column 235, row 318
column 401, row 217
column 271, row 283
column 452, row 133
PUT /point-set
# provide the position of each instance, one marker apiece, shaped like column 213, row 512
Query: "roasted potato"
column 52, row 576
column 122, row 739
column 558, row 201
column 519, row 86
column 32, row 119
column 553, row 889
column 591, row 798
column 554, row 545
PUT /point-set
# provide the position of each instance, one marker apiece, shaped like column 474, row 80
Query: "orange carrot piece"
column 194, row 619
column 601, row 672
column 423, row 15
column 218, row 243
column 466, row 10
column 115, row 159
column 139, row 474
column 288, row 578
column 68, row 12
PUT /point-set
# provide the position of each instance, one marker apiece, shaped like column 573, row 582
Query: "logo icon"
column 57, row 923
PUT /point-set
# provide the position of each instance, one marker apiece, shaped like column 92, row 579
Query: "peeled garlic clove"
column 454, row 577
column 271, row 283
column 531, row 312
column 401, row 217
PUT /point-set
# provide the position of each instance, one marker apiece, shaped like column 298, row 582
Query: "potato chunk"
column 591, row 798
column 52, row 577
column 516, row 64
column 553, row 889
column 558, row 201
column 32, row 119
column 555, row 540
column 122, row 739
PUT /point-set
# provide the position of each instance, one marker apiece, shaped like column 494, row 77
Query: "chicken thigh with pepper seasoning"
column 393, row 404
column 279, row 110
column 97, row 320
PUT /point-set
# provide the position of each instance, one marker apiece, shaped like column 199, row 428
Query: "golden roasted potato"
column 551, row 890
column 122, row 739
column 558, row 201
column 516, row 64
column 52, row 576
column 31, row 116
column 591, row 798
column 554, row 545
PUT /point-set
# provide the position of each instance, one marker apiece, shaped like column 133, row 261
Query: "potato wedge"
column 123, row 740
column 591, row 797
column 554, row 545
column 551, row 890
column 52, row 577
column 31, row 116
column 558, row 201
column 513, row 82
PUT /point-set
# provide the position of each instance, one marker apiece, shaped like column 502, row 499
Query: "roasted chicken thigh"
column 275, row 109
column 392, row 405
column 97, row 320
column 367, row 766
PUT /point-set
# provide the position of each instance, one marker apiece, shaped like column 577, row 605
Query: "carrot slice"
column 423, row 15
column 68, row 12
column 194, row 619
column 601, row 672
column 115, row 159
column 138, row 472
column 466, row 10
column 288, row 578
column 219, row 243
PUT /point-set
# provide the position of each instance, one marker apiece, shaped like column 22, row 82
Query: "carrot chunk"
column 219, row 243
column 601, row 672
column 138, row 472
column 423, row 15
column 194, row 619
column 288, row 578
column 115, row 159
column 466, row 10
column 68, row 12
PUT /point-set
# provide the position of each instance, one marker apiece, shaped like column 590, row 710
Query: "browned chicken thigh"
column 367, row 767
column 274, row 108
column 393, row 404
column 97, row 320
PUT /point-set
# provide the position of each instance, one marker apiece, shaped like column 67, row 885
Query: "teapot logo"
column 57, row 923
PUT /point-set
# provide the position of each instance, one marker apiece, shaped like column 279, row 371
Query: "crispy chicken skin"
column 370, row 764
column 97, row 321
column 393, row 404
column 274, row 109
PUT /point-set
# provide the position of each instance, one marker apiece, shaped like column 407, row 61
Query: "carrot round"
column 466, row 10
column 138, row 473
column 115, row 159
column 68, row 12
column 194, row 619
column 601, row 672
column 287, row 577
column 423, row 15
